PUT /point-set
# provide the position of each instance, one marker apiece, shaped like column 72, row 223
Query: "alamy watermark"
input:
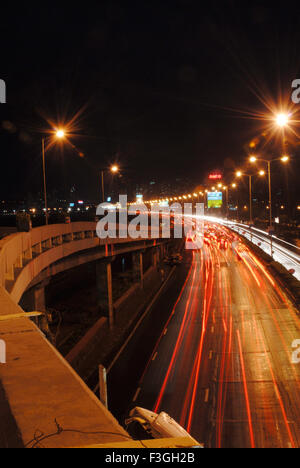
column 138, row 221
column 296, row 353
column 2, row 92
column 2, row 352
column 296, row 93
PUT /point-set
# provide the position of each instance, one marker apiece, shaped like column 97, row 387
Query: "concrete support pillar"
column 34, row 301
column 138, row 267
column 110, row 296
column 154, row 257
column 141, row 270
column 39, row 298
column 104, row 289
column 162, row 251
column 40, row 306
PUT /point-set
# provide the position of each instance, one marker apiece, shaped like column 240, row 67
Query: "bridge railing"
column 17, row 250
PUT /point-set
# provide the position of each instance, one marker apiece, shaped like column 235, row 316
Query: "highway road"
column 283, row 252
column 223, row 364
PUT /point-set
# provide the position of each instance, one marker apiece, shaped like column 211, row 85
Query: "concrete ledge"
column 41, row 387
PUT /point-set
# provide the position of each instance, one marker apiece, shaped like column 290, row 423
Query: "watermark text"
column 296, row 353
column 296, row 93
column 2, row 92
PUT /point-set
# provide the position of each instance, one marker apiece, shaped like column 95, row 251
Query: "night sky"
column 159, row 86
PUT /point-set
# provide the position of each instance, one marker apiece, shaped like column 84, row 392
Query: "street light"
column 241, row 174
column 226, row 188
column 59, row 134
column 283, row 159
column 282, row 120
column 114, row 170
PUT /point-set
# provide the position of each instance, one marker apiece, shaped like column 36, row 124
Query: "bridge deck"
column 37, row 387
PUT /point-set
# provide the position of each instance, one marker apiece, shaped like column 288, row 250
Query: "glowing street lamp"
column 226, row 188
column 114, row 169
column 241, row 174
column 284, row 159
column 282, row 120
column 59, row 135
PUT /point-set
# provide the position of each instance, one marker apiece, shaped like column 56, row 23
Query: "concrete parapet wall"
column 24, row 255
column 40, row 387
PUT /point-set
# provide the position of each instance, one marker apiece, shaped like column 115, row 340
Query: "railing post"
column 103, row 386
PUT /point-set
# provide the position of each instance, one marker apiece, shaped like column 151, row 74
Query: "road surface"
column 283, row 252
column 223, row 364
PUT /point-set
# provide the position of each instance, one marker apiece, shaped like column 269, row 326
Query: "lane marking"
column 210, row 355
column 154, row 357
column 206, row 395
column 248, row 408
column 136, row 394
column 165, row 332
column 212, row 329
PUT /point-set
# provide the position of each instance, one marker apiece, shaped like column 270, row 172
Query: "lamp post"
column 114, row 170
column 60, row 134
column 283, row 159
column 234, row 186
column 226, row 188
column 241, row 174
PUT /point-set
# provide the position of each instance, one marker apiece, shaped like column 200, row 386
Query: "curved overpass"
column 25, row 255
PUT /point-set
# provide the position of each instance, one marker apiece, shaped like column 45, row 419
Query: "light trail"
column 246, row 391
column 228, row 354
column 177, row 345
column 283, row 255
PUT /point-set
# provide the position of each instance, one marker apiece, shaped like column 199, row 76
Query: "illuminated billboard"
column 215, row 199
column 215, row 176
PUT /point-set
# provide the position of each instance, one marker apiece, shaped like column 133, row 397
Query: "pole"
column 102, row 182
column 44, row 177
column 250, row 194
column 270, row 193
column 227, row 202
column 270, row 203
column 110, row 296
